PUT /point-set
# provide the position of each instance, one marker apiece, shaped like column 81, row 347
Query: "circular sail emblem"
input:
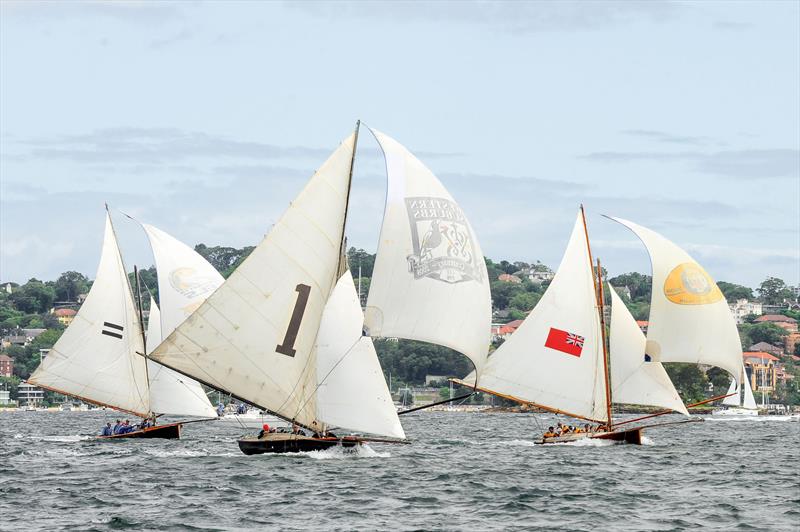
column 689, row 284
column 190, row 284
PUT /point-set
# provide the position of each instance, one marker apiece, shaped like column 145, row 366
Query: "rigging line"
column 321, row 382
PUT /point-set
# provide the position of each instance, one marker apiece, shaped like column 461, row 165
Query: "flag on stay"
column 564, row 341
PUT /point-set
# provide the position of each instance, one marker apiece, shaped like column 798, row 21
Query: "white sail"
column 555, row 358
column 185, row 279
column 689, row 318
column 733, row 400
column 171, row 392
column 95, row 359
column 352, row 391
column 637, row 377
column 749, row 401
column 429, row 281
column 254, row 336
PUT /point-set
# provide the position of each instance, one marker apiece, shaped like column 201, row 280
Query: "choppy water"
column 463, row 472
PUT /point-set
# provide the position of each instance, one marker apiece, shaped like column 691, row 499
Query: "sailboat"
column 736, row 405
column 98, row 358
column 556, row 360
column 283, row 332
column 429, row 281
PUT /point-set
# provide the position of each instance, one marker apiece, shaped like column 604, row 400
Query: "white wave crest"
column 339, row 452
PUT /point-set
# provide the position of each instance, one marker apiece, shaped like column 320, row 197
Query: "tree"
column 774, row 291
column 719, row 378
column 639, row 285
column 224, row 259
column 70, row 285
column 503, row 292
column 734, row 292
column 761, row 332
column 359, row 257
column 689, row 380
column 34, row 297
column 524, row 301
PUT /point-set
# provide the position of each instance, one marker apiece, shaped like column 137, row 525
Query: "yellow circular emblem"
column 689, row 284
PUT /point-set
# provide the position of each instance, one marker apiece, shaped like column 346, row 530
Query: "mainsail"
column 555, row 359
column 637, row 377
column 95, row 359
column 255, row 335
column 429, row 282
column 689, row 318
column 171, row 392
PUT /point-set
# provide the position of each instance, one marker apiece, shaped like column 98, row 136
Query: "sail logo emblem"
column 191, row 284
column 564, row 341
column 444, row 249
column 689, row 284
column 112, row 329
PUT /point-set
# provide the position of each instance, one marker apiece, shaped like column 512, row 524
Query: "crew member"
column 550, row 433
column 116, row 428
column 264, row 430
column 107, row 430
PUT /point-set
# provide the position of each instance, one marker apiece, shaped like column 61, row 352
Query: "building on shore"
column 6, row 366
column 742, row 308
column 29, row 395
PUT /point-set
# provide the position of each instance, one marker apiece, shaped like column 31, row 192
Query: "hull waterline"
column 171, row 431
column 292, row 443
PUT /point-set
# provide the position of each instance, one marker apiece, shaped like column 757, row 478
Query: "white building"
column 743, row 308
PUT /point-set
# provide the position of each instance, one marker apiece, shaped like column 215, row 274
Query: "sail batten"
column 429, row 281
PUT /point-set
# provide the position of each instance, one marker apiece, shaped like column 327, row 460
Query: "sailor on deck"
column 116, row 428
column 220, row 410
column 550, row 433
column 107, row 430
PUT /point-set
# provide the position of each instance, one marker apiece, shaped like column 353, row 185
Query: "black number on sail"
column 110, row 329
column 287, row 347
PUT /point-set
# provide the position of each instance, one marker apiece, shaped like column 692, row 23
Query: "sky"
column 205, row 119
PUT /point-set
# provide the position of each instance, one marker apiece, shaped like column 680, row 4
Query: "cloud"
column 661, row 136
column 518, row 17
column 743, row 164
column 131, row 11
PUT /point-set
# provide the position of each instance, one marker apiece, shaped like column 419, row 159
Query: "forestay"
column 254, row 336
column 95, row 359
column 352, row 390
column 429, row 282
column 555, row 358
column 689, row 318
column 637, row 377
column 171, row 392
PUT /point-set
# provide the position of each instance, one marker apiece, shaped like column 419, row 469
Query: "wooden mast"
column 598, row 293
column 600, row 301
column 141, row 326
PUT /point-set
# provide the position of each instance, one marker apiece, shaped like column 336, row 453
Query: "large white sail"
column 637, row 377
column 95, row 359
column 185, row 278
column 254, row 336
column 733, row 400
column 352, row 390
column 555, row 358
column 749, row 401
column 429, row 282
column 689, row 318
column 171, row 392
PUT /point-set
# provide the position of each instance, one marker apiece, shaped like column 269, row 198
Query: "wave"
column 338, row 453
column 755, row 419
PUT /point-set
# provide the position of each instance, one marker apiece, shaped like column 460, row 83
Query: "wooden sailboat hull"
column 291, row 443
column 632, row 436
column 171, row 431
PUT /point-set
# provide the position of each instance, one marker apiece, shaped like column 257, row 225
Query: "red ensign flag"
column 564, row 341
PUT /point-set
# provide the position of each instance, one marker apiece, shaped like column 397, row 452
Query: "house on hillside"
column 790, row 342
column 743, row 307
column 6, row 366
column 767, row 348
column 508, row 278
column 65, row 315
column 784, row 322
column 761, row 370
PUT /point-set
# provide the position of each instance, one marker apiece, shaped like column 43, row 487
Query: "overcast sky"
column 205, row 119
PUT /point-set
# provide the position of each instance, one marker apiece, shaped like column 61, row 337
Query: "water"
column 463, row 472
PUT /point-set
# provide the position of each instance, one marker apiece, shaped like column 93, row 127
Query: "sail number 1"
column 287, row 346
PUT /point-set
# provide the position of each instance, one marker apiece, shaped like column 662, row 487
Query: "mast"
column 343, row 244
column 600, row 300
column 598, row 283
column 141, row 323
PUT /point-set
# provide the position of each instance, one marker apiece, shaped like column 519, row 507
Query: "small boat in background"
column 735, row 404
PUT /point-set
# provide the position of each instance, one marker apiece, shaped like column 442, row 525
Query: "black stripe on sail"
column 115, row 335
column 112, row 325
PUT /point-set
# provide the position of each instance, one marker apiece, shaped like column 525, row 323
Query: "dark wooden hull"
column 171, row 431
column 290, row 443
column 632, row 436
